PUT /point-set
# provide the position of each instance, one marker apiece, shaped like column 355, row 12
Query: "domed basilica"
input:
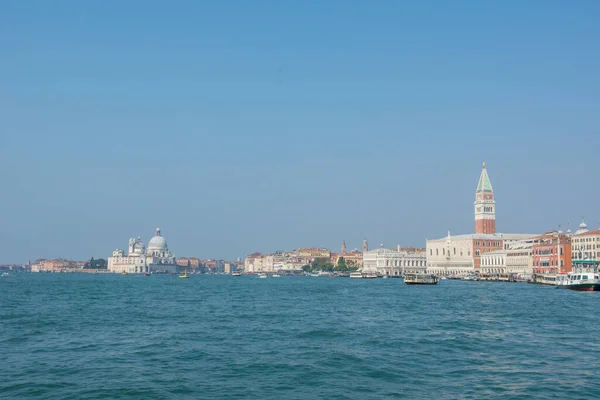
column 139, row 259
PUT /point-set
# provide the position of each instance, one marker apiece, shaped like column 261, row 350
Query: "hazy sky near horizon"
column 242, row 126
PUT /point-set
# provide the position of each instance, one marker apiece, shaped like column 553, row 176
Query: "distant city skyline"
column 238, row 127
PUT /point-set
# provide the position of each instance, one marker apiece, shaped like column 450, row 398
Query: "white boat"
column 276, row 276
column 421, row 279
column 585, row 277
column 363, row 275
column 236, row 274
column 5, row 274
column 262, row 276
column 544, row 279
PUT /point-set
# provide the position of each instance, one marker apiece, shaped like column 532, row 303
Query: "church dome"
column 157, row 242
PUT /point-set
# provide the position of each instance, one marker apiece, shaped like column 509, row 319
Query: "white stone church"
column 156, row 258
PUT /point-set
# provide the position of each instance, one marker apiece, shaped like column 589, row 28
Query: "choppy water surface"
column 120, row 337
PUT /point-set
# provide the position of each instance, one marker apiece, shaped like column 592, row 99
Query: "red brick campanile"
column 485, row 205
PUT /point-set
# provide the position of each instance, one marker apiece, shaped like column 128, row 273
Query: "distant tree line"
column 95, row 264
column 324, row 265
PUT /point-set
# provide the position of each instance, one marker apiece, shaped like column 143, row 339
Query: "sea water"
column 80, row 336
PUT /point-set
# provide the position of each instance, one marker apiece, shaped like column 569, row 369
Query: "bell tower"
column 485, row 205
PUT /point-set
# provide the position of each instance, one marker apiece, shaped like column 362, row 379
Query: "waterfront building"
column 214, row 266
column 257, row 262
column 313, row 252
column 229, row 267
column 551, row 253
column 519, row 260
column 194, row 263
column 139, row 259
column 57, row 265
column 493, row 263
column 461, row 254
column 183, row 262
column 394, row 262
column 586, row 245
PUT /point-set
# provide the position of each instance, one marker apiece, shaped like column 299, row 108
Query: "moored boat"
column 584, row 276
column 544, row 279
column 421, row 279
column 236, row 274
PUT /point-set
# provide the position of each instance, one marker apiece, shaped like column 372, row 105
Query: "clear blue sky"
column 242, row 126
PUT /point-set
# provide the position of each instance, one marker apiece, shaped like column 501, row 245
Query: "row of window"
column 492, row 261
column 405, row 263
column 591, row 254
column 489, row 244
column 587, row 247
column 585, row 240
column 546, row 252
column 547, row 263
column 437, row 252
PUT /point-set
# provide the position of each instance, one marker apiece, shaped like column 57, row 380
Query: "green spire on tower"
column 484, row 182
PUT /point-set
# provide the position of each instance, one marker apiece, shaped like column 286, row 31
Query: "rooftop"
column 586, row 233
column 485, row 185
column 490, row 236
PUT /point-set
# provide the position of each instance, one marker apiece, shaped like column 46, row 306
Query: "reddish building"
column 183, row 262
column 484, row 244
column 545, row 250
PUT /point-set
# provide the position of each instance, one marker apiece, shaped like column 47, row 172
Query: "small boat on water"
column 262, row 276
column 123, row 273
column 363, row 275
column 5, row 274
column 236, row 274
column 146, row 274
column 584, row 277
column 544, row 279
column 185, row 275
column 276, row 276
column 421, row 279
